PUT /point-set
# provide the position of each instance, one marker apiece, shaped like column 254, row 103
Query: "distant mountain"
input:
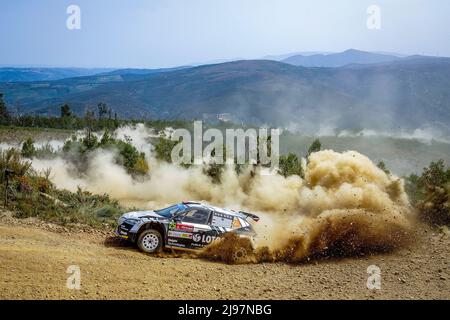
column 282, row 57
column 407, row 93
column 256, row 91
column 143, row 71
column 395, row 54
column 45, row 74
column 51, row 74
column 215, row 61
column 335, row 60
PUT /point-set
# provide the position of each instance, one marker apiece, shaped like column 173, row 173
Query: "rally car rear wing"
column 250, row 215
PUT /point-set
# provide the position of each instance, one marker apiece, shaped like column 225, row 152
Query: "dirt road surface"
column 34, row 257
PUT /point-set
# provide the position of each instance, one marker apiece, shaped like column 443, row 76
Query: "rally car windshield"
column 171, row 211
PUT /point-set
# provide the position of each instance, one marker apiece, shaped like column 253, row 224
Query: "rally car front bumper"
column 124, row 231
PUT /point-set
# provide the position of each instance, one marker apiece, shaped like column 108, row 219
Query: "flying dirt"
column 344, row 204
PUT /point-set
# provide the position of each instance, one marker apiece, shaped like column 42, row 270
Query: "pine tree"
column 316, row 146
column 4, row 114
column 65, row 111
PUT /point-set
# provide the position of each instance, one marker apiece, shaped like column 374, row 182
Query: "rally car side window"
column 199, row 216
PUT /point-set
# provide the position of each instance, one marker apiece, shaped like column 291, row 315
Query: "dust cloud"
column 345, row 204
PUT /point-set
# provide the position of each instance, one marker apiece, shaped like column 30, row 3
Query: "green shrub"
column 430, row 193
column 316, row 146
column 11, row 159
column 290, row 165
column 28, row 149
column 381, row 165
column 45, row 152
column 108, row 211
column 214, row 171
column 77, row 150
column 141, row 166
column 163, row 149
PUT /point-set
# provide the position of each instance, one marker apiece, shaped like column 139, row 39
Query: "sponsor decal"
column 222, row 215
column 203, row 238
column 172, row 225
column 184, row 227
column 178, row 234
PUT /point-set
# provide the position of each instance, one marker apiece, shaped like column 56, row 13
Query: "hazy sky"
column 163, row 33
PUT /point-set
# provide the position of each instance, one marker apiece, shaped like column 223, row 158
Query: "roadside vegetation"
column 430, row 193
column 31, row 194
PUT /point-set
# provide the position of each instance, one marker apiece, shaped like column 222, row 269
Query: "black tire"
column 150, row 241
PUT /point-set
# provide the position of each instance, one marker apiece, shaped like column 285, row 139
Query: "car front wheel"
column 150, row 241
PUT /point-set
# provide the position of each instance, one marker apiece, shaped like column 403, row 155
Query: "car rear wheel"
column 150, row 241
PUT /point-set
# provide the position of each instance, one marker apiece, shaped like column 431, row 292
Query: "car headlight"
column 121, row 220
column 129, row 217
column 131, row 221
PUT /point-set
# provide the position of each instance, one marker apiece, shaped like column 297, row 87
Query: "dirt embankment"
column 34, row 257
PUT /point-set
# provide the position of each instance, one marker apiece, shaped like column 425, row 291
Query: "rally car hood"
column 141, row 214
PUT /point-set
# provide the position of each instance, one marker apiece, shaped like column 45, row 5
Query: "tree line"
column 102, row 118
